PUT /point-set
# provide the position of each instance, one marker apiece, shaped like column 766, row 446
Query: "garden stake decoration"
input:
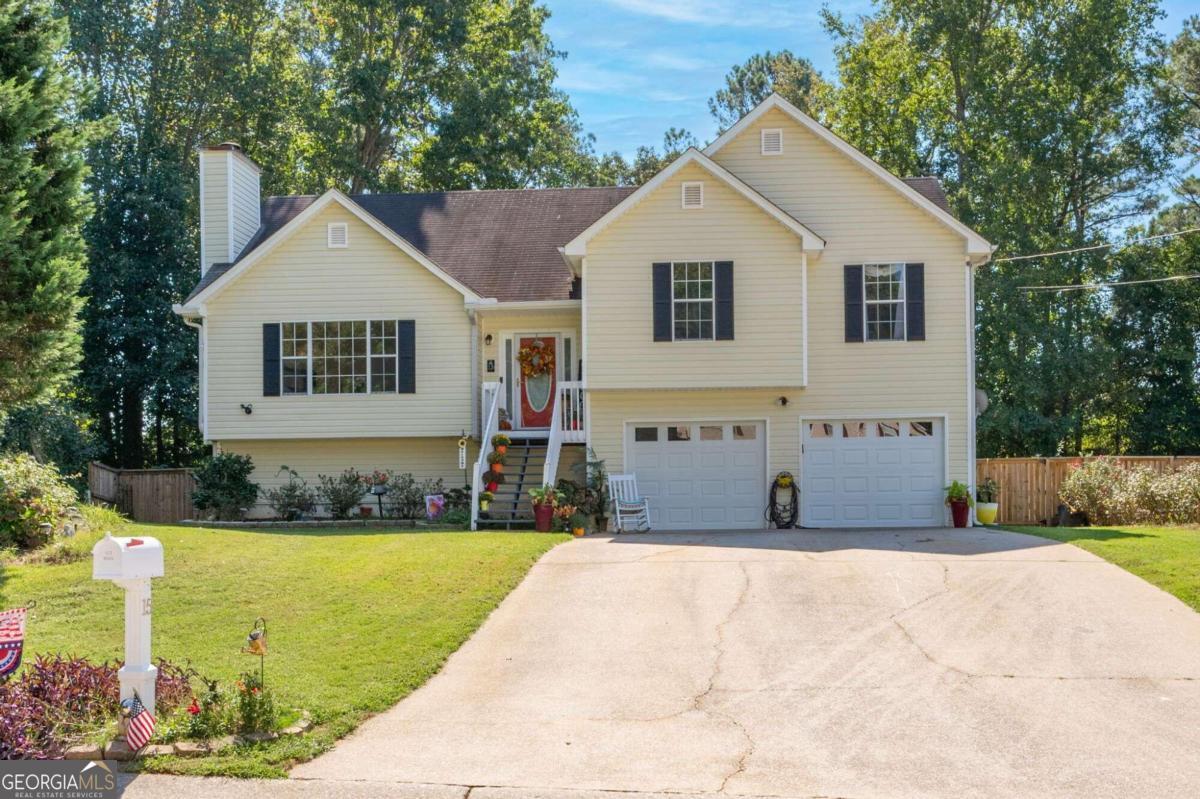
column 256, row 644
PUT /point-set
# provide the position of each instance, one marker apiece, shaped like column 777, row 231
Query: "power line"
column 1097, row 246
column 1109, row 284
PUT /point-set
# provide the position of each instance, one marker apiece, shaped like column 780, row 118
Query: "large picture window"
column 332, row 357
column 883, row 292
column 692, row 300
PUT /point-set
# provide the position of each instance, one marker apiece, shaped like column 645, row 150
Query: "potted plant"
column 563, row 513
column 505, row 424
column 496, row 461
column 578, row 524
column 544, row 500
column 500, row 443
column 958, row 497
column 986, row 505
column 485, row 500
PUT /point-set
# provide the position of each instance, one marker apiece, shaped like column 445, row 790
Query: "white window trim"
column 712, row 300
column 902, row 302
column 345, row 228
column 308, row 392
column 762, row 141
column 683, row 190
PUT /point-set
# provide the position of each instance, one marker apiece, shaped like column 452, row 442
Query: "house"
column 777, row 301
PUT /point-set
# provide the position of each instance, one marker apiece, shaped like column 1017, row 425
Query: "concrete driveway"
column 800, row 664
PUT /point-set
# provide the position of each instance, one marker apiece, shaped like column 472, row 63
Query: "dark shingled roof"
column 502, row 244
column 931, row 189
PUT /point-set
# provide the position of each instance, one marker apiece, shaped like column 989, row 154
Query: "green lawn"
column 356, row 619
column 1168, row 557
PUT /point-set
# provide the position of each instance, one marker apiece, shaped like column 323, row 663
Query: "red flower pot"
column 543, row 517
column 960, row 510
column 492, row 487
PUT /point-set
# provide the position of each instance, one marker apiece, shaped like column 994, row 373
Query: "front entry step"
column 523, row 465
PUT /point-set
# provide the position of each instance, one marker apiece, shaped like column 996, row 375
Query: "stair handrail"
column 490, row 398
column 554, row 440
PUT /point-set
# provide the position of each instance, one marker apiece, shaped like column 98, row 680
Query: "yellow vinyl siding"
column 304, row 280
column 215, row 200
column 424, row 458
column 767, row 345
column 863, row 220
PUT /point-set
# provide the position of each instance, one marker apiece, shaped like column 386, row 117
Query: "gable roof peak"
column 977, row 246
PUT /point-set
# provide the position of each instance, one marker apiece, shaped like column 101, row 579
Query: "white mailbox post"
column 130, row 563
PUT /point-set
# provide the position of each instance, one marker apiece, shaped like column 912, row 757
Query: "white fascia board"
column 577, row 247
column 525, row 305
column 301, row 219
column 976, row 244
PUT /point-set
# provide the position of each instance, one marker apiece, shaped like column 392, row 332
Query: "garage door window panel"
column 679, row 433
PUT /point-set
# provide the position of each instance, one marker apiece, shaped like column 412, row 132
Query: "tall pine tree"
column 42, row 206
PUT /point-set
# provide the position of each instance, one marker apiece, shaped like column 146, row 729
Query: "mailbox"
column 127, row 558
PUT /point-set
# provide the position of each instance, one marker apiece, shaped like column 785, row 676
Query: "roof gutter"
column 492, row 304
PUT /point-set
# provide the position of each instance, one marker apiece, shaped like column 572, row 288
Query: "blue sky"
column 637, row 67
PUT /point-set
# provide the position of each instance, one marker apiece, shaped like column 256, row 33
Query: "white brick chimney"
column 229, row 203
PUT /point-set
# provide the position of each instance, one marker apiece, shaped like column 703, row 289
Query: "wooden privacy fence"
column 1029, row 486
column 144, row 495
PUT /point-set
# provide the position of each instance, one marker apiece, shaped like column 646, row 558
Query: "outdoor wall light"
column 782, row 401
column 488, row 339
column 247, row 408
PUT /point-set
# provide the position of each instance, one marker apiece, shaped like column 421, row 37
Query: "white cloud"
column 675, row 61
column 772, row 13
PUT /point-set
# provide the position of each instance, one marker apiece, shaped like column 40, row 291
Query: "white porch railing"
column 566, row 426
column 488, row 425
column 571, row 410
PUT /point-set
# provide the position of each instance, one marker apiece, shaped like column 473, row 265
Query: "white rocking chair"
column 631, row 510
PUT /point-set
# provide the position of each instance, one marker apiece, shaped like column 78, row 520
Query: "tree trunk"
column 133, row 451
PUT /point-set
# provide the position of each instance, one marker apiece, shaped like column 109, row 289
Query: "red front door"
column 537, row 390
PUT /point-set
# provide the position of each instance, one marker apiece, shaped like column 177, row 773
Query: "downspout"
column 971, row 418
column 475, row 386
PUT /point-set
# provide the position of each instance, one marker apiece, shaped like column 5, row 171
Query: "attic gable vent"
column 338, row 235
column 693, row 194
column 772, row 141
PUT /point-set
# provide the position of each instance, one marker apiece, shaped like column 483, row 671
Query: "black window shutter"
column 662, row 302
column 723, row 289
column 406, row 350
column 854, row 302
column 271, row 360
column 914, row 301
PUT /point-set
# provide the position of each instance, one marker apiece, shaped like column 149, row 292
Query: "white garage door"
column 867, row 472
column 700, row 475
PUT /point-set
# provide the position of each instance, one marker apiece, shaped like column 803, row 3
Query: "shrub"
column 341, row 493
column 406, row 497
column 256, row 707
column 33, row 500
column 459, row 517
column 223, row 486
column 294, row 498
column 1111, row 494
column 58, row 701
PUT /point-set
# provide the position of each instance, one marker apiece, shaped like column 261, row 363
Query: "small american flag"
column 141, row 724
column 12, row 640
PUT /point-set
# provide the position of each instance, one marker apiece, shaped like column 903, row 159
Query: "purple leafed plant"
column 58, row 701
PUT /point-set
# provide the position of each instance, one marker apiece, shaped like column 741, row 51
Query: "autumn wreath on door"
column 536, row 359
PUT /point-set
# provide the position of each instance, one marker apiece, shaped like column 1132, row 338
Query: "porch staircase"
column 523, row 465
